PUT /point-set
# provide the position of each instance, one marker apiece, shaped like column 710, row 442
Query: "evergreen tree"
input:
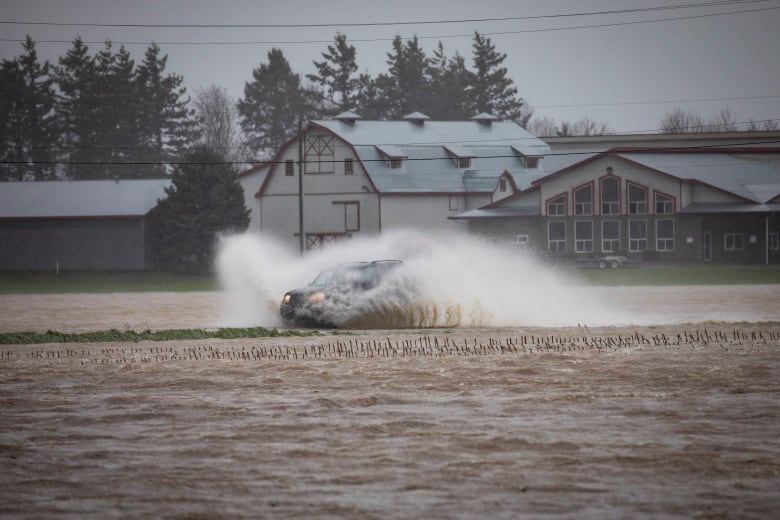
column 336, row 75
column 28, row 130
column 273, row 103
column 406, row 84
column 492, row 91
column 450, row 80
column 204, row 200
column 75, row 77
column 124, row 99
column 167, row 124
column 371, row 101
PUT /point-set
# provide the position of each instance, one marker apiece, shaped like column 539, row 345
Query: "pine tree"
column 75, row 77
column 336, row 75
column 204, row 201
column 406, row 84
column 273, row 103
column 28, row 129
column 450, row 80
column 492, row 91
column 167, row 124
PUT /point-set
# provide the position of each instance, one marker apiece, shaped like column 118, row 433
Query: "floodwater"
column 674, row 417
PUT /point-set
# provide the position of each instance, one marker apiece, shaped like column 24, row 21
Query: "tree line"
column 91, row 116
column 102, row 115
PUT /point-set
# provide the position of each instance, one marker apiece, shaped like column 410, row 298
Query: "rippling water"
column 564, row 428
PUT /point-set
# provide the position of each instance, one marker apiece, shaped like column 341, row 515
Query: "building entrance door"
column 707, row 245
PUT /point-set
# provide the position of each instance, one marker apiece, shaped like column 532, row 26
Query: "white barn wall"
column 404, row 212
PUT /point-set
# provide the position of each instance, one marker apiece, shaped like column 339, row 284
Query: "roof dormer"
column 417, row 118
column 393, row 155
column 460, row 155
column 347, row 117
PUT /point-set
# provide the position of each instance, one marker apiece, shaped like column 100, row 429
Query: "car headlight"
column 316, row 297
column 286, row 298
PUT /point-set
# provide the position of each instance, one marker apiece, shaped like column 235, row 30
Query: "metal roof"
column 50, row 199
column 428, row 167
column 751, row 179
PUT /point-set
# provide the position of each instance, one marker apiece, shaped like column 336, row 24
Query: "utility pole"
column 300, row 185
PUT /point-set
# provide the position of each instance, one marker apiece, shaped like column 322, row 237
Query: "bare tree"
column 218, row 118
column 587, row 126
column 543, row 126
column 680, row 121
column 723, row 121
column 547, row 127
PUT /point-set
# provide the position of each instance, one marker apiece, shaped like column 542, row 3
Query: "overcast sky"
column 621, row 69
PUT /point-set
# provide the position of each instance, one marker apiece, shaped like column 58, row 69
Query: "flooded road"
column 665, row 419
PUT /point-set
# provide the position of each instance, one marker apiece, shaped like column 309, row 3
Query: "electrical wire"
column 381, row 24
column 438, row 37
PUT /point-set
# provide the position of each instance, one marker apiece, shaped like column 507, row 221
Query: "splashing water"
column 459, row 281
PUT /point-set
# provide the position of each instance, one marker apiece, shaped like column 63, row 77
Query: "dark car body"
column 344, row 293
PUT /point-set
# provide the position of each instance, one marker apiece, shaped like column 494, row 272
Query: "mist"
column 456, row 280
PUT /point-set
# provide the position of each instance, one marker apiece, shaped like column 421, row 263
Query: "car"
column 343, row 294
column 612, row 261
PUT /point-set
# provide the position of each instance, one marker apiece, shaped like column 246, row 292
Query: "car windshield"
column 354, row 274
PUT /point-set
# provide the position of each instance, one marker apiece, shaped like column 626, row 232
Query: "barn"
column 716, row 203
column 363, row 178
column 77, row 225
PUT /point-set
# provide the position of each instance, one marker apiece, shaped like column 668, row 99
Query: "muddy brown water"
column 673, row 418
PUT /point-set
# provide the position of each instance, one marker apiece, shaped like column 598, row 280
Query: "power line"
column 438, row 37
column 393, row 23
column 729, row 146
column 658, row 102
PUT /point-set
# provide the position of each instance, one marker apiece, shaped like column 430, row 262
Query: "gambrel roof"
column 427, row 149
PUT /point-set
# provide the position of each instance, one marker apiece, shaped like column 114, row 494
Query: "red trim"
column 628, row 199
column 655, row 201
column 574, row 191
column 619, row 193
column 565, row 196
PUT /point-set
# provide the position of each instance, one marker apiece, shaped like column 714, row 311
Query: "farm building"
column 77, row 225
column 684, row 198
column 366, row 177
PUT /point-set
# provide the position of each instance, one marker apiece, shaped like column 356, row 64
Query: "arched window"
column 583, row 200
column 610, row 195
column 637, row 199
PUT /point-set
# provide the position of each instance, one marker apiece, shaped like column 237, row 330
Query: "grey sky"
column 617, row 74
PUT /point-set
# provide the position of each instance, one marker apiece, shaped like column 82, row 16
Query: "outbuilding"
column 77, row 225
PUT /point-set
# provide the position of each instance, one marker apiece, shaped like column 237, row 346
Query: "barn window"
column 556, row 207
column 289, row 167
column 583, row 236
column 556, row 236
column 733, row 241
column 664, row 235
column 637, row 199
column 637, row 235
column 319, row 154
column 583, row 200
column 664, row 204
column 502, row 184
column 610, row 236
column 348, row 167
column 610, row 196
column 774, row 241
